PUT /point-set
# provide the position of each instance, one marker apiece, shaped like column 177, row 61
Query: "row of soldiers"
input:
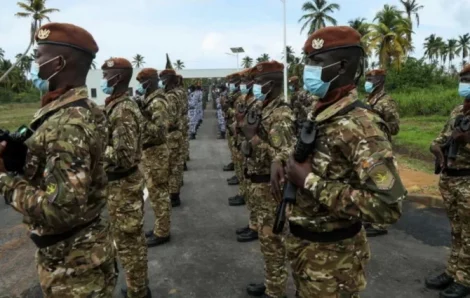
column 82, row 159
column 196, row 109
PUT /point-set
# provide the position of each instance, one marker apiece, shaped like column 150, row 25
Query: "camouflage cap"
column 376, row 72
column 333, row 37
column 466, row 69
column 147, row 73
column 263, row 68
column 67, row 35
column 116, row 63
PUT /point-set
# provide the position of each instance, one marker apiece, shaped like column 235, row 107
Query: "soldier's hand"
column 3, row 145
column 460, row 136
column 437, row 151
column 298, row 172
column 277, row 179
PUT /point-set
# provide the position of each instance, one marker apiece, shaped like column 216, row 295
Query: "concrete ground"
column 203, row 259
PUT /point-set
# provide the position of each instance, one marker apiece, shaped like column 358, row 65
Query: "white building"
column 93, row 80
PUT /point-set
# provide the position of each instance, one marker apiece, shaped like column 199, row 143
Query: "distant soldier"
column 349, row 174
column 387, row 109
column 199, row 98
column 226, row 106
column 300, row 102
column 168, row 82
column 156, row 155
column 126, row 182
column 185, row 122
column 62, row 192
column 269, row 133
column 192, row 112
column 454, row 185
column 220, row 114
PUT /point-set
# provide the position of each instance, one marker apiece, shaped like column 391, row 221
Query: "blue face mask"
column 369, row 87
column 232, row 87
column 313, row 82
column 244, row 89
column 141, row 89
column 161, row 85
column 258, row 93
column 39, row 83
column 464, row 90
column 105, row 88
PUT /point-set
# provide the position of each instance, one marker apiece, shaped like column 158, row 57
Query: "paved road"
column 204, row 260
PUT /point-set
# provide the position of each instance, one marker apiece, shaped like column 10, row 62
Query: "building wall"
column 94, row 77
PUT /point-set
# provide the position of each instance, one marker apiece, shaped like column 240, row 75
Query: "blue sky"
column 200, row 32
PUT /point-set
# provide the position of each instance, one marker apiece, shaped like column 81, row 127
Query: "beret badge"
column 259, row 67
column 110, row 63
column 317, row 43
column 43, row 33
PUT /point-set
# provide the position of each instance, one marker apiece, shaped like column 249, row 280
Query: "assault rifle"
column 303, row 148
column 14, row 155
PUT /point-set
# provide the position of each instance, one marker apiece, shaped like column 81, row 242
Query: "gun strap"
column 352, row 106
column 82, row 103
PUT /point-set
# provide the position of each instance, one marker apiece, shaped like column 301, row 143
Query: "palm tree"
column 263, row 58
column 412, row 8
column 25, row 62
column 290, row 55
column 93, row 64
column 451, row 50
column 361, row 26
column 431, row 47
column 35, row 9
column 389, row 36
column 2, row 54
column 247, row 62
column 179, row 65
column 317, row 14
column 463, row 45
column 138, row 61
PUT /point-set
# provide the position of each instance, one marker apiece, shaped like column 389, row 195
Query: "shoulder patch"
column 381, row 176
column 52, row 188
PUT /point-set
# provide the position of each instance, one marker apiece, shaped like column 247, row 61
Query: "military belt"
column 149, row 145
column 333, row 236
column 113, row 176
column 50, row 240
column 173, row 128
column 457, row 173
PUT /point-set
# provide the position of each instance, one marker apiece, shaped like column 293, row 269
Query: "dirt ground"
column 419, row 182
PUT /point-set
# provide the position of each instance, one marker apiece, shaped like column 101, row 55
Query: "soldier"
column 156, row 155
column 233, row 95
column 63, row 189
column 349, row 175
column 192, row 112
column 300, row 101
column 125, row 180
column 269, row 132
column 382, row 104
column 224, row 101
column 220, row 113
column 168, row 82
column 185, row 122
column 454, row 185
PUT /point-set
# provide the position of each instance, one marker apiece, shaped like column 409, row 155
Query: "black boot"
column 231, row 178
column 455, row 290
column 374, row 232
column 155, row 240
column 236, row 201
column 234, row 181
column 248, row 236
column 148, row 234
column 175, row 199
column 242, row 230
column 221, row 136
column 124, row 292
column 192, row 136
column 255, row 289
column 185, row 168
column 230, row 167
column 439, row 282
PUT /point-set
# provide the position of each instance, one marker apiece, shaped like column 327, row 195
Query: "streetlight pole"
column 285, row 51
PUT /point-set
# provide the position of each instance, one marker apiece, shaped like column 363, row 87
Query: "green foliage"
column 8, row 96
column 427, row 102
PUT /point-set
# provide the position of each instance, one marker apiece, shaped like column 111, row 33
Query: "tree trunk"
column 16, row 63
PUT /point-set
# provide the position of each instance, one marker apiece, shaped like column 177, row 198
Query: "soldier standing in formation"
column 300, row 101
column 63, row 190
column 125, row 180
column 350, row 175
column 220, row 114
column 383, row 105
column 184, row 123
column 192, row 112
column 156, row 155
column 269, row 134
column 454, row 186
column 168, row 82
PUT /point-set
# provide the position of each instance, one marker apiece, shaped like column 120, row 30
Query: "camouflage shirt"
column 301, row 103
column 387, row 108
column 64, row 185
column 156, row 118
column 175, row 107
column 124, row 149
column 354, row 175
column 462, row 160
column 230, row 110
column 183, row 101
column 274, row 139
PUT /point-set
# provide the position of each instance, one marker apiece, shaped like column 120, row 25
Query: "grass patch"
column 14, row 115
column 415, row 164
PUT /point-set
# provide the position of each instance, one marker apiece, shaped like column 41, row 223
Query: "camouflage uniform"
column 63, row 192
column 156, row 159
column 184, row 123
column 272, row 143
column 455, row 191
column 229, row 114
column 301, row 103
column 125, row 191
column 220, row 116
column 175, row 139
column 192, row 112
column 354, row 179
column 387, row 109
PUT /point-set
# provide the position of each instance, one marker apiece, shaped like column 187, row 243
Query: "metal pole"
column 285, row 52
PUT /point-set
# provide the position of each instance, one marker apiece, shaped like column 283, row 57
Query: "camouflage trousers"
column 250, row 204
column 175, row 145
column 81, row 267
column 329, row 270
column 126, row 212
column 156, row 162
column 272, row 246
column 237, row 158
column 185, row 133
column 456, row 194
